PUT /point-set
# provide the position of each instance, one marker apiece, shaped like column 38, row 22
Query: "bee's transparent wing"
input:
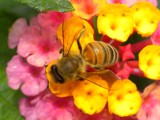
column 71, row 30
column 106, row 75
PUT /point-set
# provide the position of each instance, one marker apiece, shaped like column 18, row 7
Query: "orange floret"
column 72, row 30
column 146, row 17
column 124, row 98
column 149, row 61
column 115, row 21
column 89, row 97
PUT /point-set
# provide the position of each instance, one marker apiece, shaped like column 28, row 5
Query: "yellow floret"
column 146, row 17
column 58, row 89
column 124, row 99
column 89, row 97
column 115, row 21
column 149, row 61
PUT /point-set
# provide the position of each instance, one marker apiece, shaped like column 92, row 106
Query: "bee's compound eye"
column 57, row 77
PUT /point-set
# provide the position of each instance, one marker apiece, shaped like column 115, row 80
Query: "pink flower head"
column 150, row 109
column 39, row 45
column 46, row 106
column 155, row 38
column 32, row 80
column 18, row 28
column 38, row 42
column 52, row 18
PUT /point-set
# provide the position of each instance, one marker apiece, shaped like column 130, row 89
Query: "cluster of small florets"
column 38, row 44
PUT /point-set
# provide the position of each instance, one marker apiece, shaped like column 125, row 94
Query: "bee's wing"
column 106, row 75
column 70, row 30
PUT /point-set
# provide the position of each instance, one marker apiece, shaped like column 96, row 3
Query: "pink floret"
column 18, row 28
column 37, row 42
column 32, row 80
column 46, row 106
column 52, row 18
column 39, row 45
column 150, row 109
column 132, row 2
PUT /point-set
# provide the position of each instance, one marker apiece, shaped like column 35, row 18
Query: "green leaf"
column 8, row 98
column 45, row 5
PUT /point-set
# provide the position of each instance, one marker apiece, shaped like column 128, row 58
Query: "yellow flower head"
column 115, row 21
column 149, row 61
column 87, row 8
column 72, row 30
column 146, row 17
column 124, row 98
column 89, row 97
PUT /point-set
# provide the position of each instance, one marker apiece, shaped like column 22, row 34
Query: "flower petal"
column 32, row 80
column 124, row 99
column 115, row 21
column 145, row 15
column 17, row 29
column 149, row 61
column 90, row 97
column 40, row 46
column 150, row 109
column 46, row 106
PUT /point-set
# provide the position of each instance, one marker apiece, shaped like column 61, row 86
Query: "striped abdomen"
column 100, row 54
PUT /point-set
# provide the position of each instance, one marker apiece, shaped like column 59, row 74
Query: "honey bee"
column 71, row 66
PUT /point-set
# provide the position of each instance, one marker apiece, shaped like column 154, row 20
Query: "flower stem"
column 135, row 69
column 136, row 47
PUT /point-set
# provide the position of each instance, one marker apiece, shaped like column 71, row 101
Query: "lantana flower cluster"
column 105, row 96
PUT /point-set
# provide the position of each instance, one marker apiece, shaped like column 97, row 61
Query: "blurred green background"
column 11, row 10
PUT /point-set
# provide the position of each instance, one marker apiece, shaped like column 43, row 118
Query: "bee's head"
column 57, row 77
